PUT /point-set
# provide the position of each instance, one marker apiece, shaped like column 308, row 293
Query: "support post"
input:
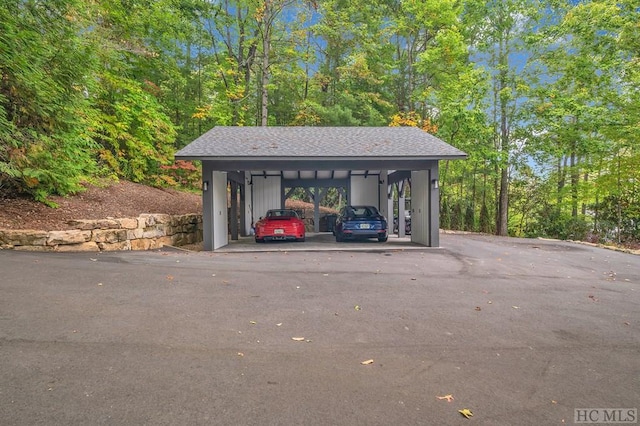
column 207, row 206
column 243, row 208
column 233, row 220
column 402, row 232
column 316, row 209
column 434, row 206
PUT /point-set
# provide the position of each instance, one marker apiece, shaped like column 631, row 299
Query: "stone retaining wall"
column 147, row 231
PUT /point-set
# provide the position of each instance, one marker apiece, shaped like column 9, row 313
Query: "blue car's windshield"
column 363, row 211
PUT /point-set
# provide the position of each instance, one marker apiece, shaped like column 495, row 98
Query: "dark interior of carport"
column 315, row 183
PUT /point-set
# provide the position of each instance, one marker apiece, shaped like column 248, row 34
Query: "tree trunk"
column 583, row 209
column 562, row 170
column 575, row 178
column 503, row 205
column 264, row 103
column 502, row 227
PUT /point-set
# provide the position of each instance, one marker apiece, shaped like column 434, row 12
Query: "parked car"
column 280, row 225
column 407, row 223
column 361, row 222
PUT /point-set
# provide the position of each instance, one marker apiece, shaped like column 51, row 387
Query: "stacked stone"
column 146, row 232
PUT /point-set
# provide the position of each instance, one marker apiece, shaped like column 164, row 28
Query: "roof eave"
column 316, row 163
column 178, row 156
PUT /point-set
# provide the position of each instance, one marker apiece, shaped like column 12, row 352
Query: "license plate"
column 364, row 226
column 278, row 231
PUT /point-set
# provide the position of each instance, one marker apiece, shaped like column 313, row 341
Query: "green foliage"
column 113, row 88
column 581, row 110
column 619, row 215
column 551, row 223
column 445, row 214
column 44, row 146
column 66, row 105
column 184, row 174
column 135, row 135
column 486, row 224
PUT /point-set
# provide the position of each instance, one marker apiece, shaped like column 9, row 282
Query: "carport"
column 260, row 163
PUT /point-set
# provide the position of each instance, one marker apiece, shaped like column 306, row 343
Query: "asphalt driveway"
column 517, row 331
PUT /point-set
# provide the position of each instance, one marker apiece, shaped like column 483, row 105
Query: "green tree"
column 499, row 27
column 45, row 73
column 582, row 106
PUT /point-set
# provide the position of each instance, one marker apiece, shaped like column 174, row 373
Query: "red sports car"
column 280, row 225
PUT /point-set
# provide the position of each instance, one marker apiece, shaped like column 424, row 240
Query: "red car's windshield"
column 281, row 213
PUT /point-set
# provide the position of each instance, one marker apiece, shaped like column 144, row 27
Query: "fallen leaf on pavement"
column 357, row 307
column 516, row 307
column 252, row 322
column 240, row 354
column 466, row 412
column 478, row 308
column 449, row 397
column 298, row 339
column 367, row 362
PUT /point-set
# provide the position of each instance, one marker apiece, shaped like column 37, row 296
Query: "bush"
column 551, row 223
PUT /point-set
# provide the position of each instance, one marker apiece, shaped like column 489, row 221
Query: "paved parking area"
column 320, row 242
column 517, row 331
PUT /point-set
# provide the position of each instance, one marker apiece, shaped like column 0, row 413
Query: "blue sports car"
column 360, row 222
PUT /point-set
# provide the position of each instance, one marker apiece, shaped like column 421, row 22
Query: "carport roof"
column 317, row 143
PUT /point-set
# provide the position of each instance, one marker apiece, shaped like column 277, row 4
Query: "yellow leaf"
column 466, row 412
column 367, row 362
column 449, row 397
column 298, row 339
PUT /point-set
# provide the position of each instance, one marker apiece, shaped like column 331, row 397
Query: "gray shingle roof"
column 318, row 142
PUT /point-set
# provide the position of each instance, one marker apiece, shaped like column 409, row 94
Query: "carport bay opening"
column 258, row 164
column 316, row 186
